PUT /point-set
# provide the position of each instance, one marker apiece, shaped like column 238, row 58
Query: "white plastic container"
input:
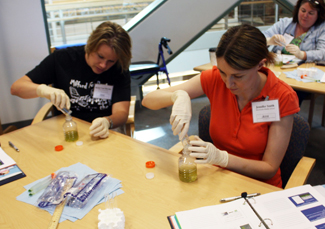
column 213, row 57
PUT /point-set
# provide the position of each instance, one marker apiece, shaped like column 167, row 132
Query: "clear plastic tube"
column 41, row 185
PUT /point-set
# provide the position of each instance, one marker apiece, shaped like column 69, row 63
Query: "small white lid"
column 79, row 143
column 150, row 175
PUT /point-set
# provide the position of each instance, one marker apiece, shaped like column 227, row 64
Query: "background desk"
column 145, row 203
column 314, row 88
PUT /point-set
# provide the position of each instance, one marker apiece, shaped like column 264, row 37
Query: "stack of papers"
column 290, row 59
column 9, row 171
column 72, row 214
column 296, row 208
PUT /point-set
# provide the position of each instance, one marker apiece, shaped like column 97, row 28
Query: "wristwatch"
column 110, row 122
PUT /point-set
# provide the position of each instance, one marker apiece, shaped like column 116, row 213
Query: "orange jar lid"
column 150, row 164
column 58, row 148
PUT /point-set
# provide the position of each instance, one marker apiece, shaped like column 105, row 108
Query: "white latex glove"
column 208, row 152
column 99, row 128
column 276, row 39
column 295, row 50
column 181, row 113
column 57, row 96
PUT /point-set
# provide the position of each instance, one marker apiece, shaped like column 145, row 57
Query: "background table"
column 145, row 203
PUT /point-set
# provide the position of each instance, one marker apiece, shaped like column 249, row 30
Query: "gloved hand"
column 181, row 113
column 276, row 39
column 295, row 50
column 208, row 152
column 99, row 128
column 57, row 96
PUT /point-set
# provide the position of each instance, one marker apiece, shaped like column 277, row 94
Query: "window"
column 255, row 12
column 71, row 21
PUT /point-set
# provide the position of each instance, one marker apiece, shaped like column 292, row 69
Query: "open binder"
column 9, row 171
column 296, row 208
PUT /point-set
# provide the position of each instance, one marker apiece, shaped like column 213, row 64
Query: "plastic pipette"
column 65, row 111
column 186, row 142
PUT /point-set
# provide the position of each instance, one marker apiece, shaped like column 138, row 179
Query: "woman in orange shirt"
column 251, row 109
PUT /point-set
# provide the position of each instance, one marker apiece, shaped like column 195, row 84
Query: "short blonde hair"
column 243, row 47
column 114, row 36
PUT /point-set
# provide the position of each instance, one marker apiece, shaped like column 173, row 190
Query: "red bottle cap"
column 150, row 164
column 58, row 148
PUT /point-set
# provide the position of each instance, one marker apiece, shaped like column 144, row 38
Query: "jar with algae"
column 186, row 166
column 70, row 129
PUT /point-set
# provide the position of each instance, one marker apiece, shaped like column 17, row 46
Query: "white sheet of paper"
column 266, row 111
column 5, row 160
column 295, row 208
column 288, row 38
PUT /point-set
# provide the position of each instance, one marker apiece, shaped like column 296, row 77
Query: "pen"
column 238, row 197
column 13, row 146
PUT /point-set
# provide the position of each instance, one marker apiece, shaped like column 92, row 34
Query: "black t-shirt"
column 67, row 69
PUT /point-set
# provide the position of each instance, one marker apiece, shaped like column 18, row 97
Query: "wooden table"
column 145, row 203
column 314, row 88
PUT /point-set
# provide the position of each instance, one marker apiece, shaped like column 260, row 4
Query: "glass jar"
column 187, row 167
column 278, row 59
column 70, row 129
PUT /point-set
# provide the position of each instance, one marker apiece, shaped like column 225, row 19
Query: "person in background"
column 92, row 80
column 307, row 27
column 238, row 82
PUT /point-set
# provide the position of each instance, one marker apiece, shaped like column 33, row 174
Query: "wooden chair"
column 295, row 168
column 129, row 126
column 7, row 130
column 45, row 110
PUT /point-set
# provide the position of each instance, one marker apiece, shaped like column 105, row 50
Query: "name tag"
column 266, row 111
column 102, row 91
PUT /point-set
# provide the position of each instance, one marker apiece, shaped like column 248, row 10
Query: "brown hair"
column 315, row 4
column 114, row 36
column 243, row 47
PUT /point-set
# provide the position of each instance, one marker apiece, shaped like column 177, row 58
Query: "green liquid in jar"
column 188, row 173
column 71, row 136
column 278, row 63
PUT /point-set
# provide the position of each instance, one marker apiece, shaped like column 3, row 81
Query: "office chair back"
column 204, row 124
column 296, row 149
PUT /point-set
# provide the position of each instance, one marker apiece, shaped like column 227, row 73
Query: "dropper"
column 186, row 142
column 65, row 111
